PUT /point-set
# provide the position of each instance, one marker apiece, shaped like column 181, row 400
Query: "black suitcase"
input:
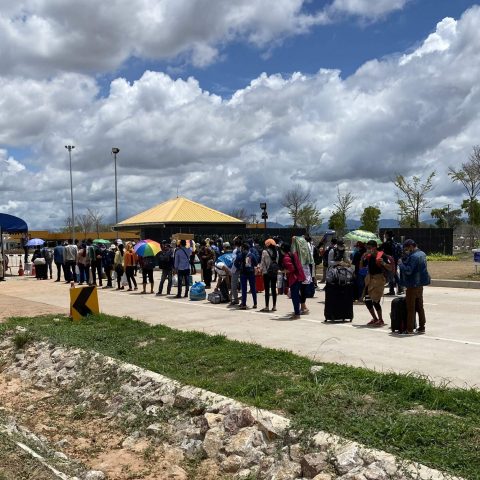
column 338, row 302
column 398, row 315
column 41, row 272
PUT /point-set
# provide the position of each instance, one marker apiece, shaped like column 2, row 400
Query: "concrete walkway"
column 449, row 351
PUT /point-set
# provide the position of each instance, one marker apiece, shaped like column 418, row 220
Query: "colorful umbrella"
column 35, row 242
column 147, row 248
column 362, row 236
column 101, row 241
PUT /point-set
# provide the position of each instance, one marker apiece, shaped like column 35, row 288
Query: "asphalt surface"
column 448, row 352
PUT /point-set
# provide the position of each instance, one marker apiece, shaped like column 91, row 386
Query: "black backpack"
column 317, row 258
column 165, row 260
column 273, row 268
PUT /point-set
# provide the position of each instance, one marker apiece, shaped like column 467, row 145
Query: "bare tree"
column 294, row 200
column 344, row 202
column 84, row 221
column 96, row 219
column 469, row 177
column 412, row 200
column 309, row 217
column 240, row 213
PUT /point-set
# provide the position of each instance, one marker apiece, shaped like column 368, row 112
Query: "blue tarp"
column 11, row 224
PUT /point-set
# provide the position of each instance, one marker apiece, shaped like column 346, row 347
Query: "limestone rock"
column 192, row 448
column 213, row 442
column 314, row 463
column 232, row 464
column 348, row 458
column 214, row 419
column 284, row 470
column 244, row 440
column 95, row 475
column 375, row 472
column 273, row 426
column 323, row 476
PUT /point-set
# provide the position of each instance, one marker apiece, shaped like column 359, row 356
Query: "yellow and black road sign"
column 83, row 302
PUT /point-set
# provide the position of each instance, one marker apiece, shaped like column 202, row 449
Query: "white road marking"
column 303, row 318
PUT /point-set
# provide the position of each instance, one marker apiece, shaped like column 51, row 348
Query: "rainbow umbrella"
column 147, row 248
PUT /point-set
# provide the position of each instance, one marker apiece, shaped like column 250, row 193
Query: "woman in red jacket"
column 295, row 277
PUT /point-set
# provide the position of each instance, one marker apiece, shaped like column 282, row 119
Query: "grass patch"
column 440, row 257
column 443, row 431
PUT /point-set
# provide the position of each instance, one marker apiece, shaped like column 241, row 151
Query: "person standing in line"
column 394, row 250
column 304, row 253
column 147, row 264
column 414, row 276
column 108, row 259
column 91, row 273
column 129, row 262
column 71, row 252
column 295, row 276
column 206, row 256
column 249, row 259
column 269, row 265
column 165, row 263
column 58, row 254
column 47, row 254
column 83, row 263
column 235, row 271
column 118, row 265
column 360, row 272
column 98, row 252
column 182, row 267
column 377, row 262
column 24, row 241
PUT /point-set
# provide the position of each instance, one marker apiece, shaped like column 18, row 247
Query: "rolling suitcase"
column 338, row 302
column 398, row 315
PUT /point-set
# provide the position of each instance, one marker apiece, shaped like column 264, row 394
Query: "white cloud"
column 320, row 130
column 41, row 37
column 370, row 9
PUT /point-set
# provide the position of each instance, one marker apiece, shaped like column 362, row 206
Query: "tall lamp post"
column 70, row 148
column 116, row 150
column 263, row 207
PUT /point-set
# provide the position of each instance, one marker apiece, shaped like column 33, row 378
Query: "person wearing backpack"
column 393, row 249
column 165, row 263
column 270, row 266
column 47, row 254
column 295, row 277
column 58, row 258
column 248, row 259
column 379, row 266
column 414, row 276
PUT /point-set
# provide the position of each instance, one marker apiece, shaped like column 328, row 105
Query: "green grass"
column 370, row 407
column 440, row 257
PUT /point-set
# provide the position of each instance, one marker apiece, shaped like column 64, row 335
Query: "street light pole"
column 116, row 150
column 70, row 148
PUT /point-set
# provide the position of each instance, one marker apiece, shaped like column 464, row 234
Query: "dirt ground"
column 461, row 270
column 13, row 307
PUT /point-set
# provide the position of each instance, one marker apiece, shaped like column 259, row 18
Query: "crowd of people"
column 274, row 266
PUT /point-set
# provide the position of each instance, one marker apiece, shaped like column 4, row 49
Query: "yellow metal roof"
column 179, row 210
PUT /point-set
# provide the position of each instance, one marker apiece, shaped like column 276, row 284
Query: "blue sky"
column 344, row 46
column 201, row 95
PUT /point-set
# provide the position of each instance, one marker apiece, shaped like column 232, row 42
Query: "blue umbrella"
column 35, row 242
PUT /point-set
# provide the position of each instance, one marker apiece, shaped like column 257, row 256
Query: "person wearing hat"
column 377, row 263
column 270, row 266
column 414, row 276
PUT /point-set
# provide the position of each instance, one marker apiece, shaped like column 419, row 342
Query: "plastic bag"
column 197, row 292
column 175, row 280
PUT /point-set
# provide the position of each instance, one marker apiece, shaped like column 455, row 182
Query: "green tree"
column 370, row 218
column 472, row 209
column 309, row 217
column 447, row 218
column 338, row 222
column 412, row 198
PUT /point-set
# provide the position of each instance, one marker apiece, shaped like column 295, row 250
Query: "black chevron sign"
column 84, row 301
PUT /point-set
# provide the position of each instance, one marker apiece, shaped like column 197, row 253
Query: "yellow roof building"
column 178, row 210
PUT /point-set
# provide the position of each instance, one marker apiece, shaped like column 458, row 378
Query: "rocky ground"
column 92, row 418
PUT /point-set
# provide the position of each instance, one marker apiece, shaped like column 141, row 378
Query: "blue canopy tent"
column 10, row 224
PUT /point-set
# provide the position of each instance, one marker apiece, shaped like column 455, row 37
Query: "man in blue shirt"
column 414, row 276
column 182, row 266
column 58, row 258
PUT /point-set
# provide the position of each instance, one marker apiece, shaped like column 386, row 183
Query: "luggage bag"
column 338, row 302
column 398, row 315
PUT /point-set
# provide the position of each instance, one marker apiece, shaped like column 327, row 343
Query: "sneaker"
column 380, row 323
column 406, row 333
column 274, row 309
column 265, row 310
column 254, row 307
column 294, row 317
column 242, row 307
column 159, row 294
column 373, row 321
column 305, row 312
column 421, row 330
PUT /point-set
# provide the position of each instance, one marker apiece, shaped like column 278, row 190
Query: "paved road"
column 449, row 351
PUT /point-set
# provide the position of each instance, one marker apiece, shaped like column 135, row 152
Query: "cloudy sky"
column 232, row 102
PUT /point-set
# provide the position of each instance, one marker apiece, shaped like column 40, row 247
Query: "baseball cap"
column 409, row 243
